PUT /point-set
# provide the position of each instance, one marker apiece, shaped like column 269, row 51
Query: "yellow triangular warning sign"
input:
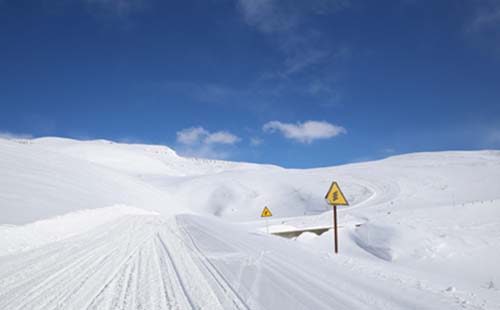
column 266, row 212
column 335, row 196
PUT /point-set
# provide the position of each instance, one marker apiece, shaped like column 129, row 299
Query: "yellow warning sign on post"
column 335, row 196
column 266, row 212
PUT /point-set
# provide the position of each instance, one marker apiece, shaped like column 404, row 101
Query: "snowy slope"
column 37, row 183
column 239, row 191
column 138, row 159
column 422, row 231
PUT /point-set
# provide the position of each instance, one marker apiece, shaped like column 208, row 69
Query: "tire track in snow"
column 176, row 273
column 14, row 267
column 227, row 290
column 160, row 274
column 145, row 262
column 60, row 277
column 49, row 273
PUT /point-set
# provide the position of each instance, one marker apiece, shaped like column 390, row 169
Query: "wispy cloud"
column 309, row 59
column 484, row 24
column 487, row 17
column 284, row 20
column 269, row 16
column 325, row 89
column 493, row 137
column 199, row 142
column 305, row 69
column 272, row 16
column 306, row 132
column 297, row 62
column 261, row 95
column 120, row 8
column 255, row 141
column 253, row 97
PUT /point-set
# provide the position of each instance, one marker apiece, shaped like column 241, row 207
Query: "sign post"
column 335, row 197
column 335, row 230
column 266, row 213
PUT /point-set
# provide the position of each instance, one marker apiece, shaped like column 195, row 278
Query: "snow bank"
column 389, row 241
column 25, row 237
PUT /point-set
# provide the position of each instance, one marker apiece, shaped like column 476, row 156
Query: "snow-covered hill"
column 413, row 221
column 38, row 182
column 51, row 176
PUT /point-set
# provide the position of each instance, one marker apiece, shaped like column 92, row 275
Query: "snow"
column 83, row 223
column 456, row 247
column 21, row 238
column 137, row 159
column 37, row 183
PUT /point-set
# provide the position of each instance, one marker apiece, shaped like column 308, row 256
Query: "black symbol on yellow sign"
column 266, row 212
column 335, row 196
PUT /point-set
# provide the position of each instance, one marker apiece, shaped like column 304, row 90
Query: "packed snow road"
column 188, row 262
column 126, row 265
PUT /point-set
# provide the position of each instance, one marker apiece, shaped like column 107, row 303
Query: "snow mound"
column 391, row 242
column 306, row 237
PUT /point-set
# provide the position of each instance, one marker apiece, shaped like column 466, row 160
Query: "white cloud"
column 191, row 135
column 305, row 132
column 222, row 137
column 199, row 135
column 199, row 142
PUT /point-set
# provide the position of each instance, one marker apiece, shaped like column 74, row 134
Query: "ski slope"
column 104, row 225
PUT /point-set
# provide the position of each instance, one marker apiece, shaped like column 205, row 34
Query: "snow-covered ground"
column 104, row 225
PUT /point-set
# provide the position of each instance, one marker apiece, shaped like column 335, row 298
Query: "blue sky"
column 294, row 83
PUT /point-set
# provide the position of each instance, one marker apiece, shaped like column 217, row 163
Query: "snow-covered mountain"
column 413, row 220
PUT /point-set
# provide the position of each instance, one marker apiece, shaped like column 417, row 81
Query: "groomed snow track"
column 126, row 265
column 150, row 262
